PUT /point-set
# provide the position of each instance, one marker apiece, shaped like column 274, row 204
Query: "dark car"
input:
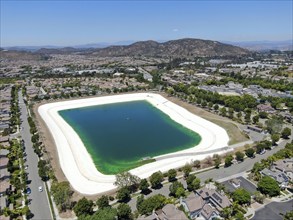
column 28, row 191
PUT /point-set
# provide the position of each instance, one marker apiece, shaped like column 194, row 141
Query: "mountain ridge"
column 182, row 48
column 186, row 47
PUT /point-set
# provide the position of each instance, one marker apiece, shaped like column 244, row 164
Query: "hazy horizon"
column 128, row 42
column 63, row 23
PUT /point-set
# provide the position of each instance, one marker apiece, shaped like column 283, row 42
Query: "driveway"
column 39, row 205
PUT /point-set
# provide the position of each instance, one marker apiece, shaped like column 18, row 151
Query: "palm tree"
column 226, row 212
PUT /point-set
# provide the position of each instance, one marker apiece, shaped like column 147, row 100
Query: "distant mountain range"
column 250, row 45
column 264, row 45
column 81, row 46
column 187, row 47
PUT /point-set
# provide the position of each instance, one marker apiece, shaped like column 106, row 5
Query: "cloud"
column 175, row 30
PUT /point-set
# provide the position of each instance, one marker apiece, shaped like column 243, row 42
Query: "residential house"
column 235, row 182
column 168, row 212
column 287, row 116
column 280, row 177
column 256, row 129
column 4, row 174
column 206, row 203
column 265, row 108
column 193, row 204
column 285, row 166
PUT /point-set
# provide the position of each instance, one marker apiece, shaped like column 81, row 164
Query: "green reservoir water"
column 118, row 136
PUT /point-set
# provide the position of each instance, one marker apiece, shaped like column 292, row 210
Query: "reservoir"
column 121, row 136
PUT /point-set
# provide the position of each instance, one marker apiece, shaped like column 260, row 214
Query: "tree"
column 195, row 184
column 259, row 148
column 61, row 193
column 231, row 112
column 103, row 202
column 106, row 213
column 126, row 179
column 204, row 104
column 217, row 160
column 35, row 138
column 286, row 133
column 239, row 216
column 124, row 211
column 259, row 197
column 180, row 192
column 288, row 215
column 239, row 115
column 189, row 181
column 170, row 90
column 247, row 117
column 263, row 114
column 172, row 173
column 192, row 182
column 187, row 169
column 223, row 111
column 228, row 160
column 139, row 201
column 26, row 211
column 216, row 107
column 146, row 206
column 83, row 207
column 196, row 164
column 249, row 152
column 274, row 125
column 43, row 170
column 255, row 119
column 144, row 186
column 257, row 167
column 241, row 196
column 123, row 194
column 275, row 138
column 174, row 187
column 156, row 179
column 267, row 144
column 226, row 212
column 268, row 186
column 239, row 156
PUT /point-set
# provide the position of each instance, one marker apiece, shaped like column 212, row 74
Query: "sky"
column 68, row 23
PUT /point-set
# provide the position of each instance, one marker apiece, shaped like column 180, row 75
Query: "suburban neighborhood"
column 156, row 110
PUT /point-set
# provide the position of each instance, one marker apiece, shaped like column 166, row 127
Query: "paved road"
column 220, row 174
column 39, row 202
column 272, row 211
column 247, row 164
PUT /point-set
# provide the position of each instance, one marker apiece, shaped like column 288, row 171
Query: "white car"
column 40, row 189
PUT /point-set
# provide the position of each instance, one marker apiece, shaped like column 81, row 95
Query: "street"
column 220, row 174
column 272, row 211
column 39, row 204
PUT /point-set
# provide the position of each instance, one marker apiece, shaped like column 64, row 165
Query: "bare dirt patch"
column 230, row 126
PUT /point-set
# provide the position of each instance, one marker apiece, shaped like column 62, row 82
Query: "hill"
column 175, row 48
column 21, row 55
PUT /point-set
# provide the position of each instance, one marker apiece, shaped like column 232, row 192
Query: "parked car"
column 28, row 191
column 40, row 189
column 262, row 152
